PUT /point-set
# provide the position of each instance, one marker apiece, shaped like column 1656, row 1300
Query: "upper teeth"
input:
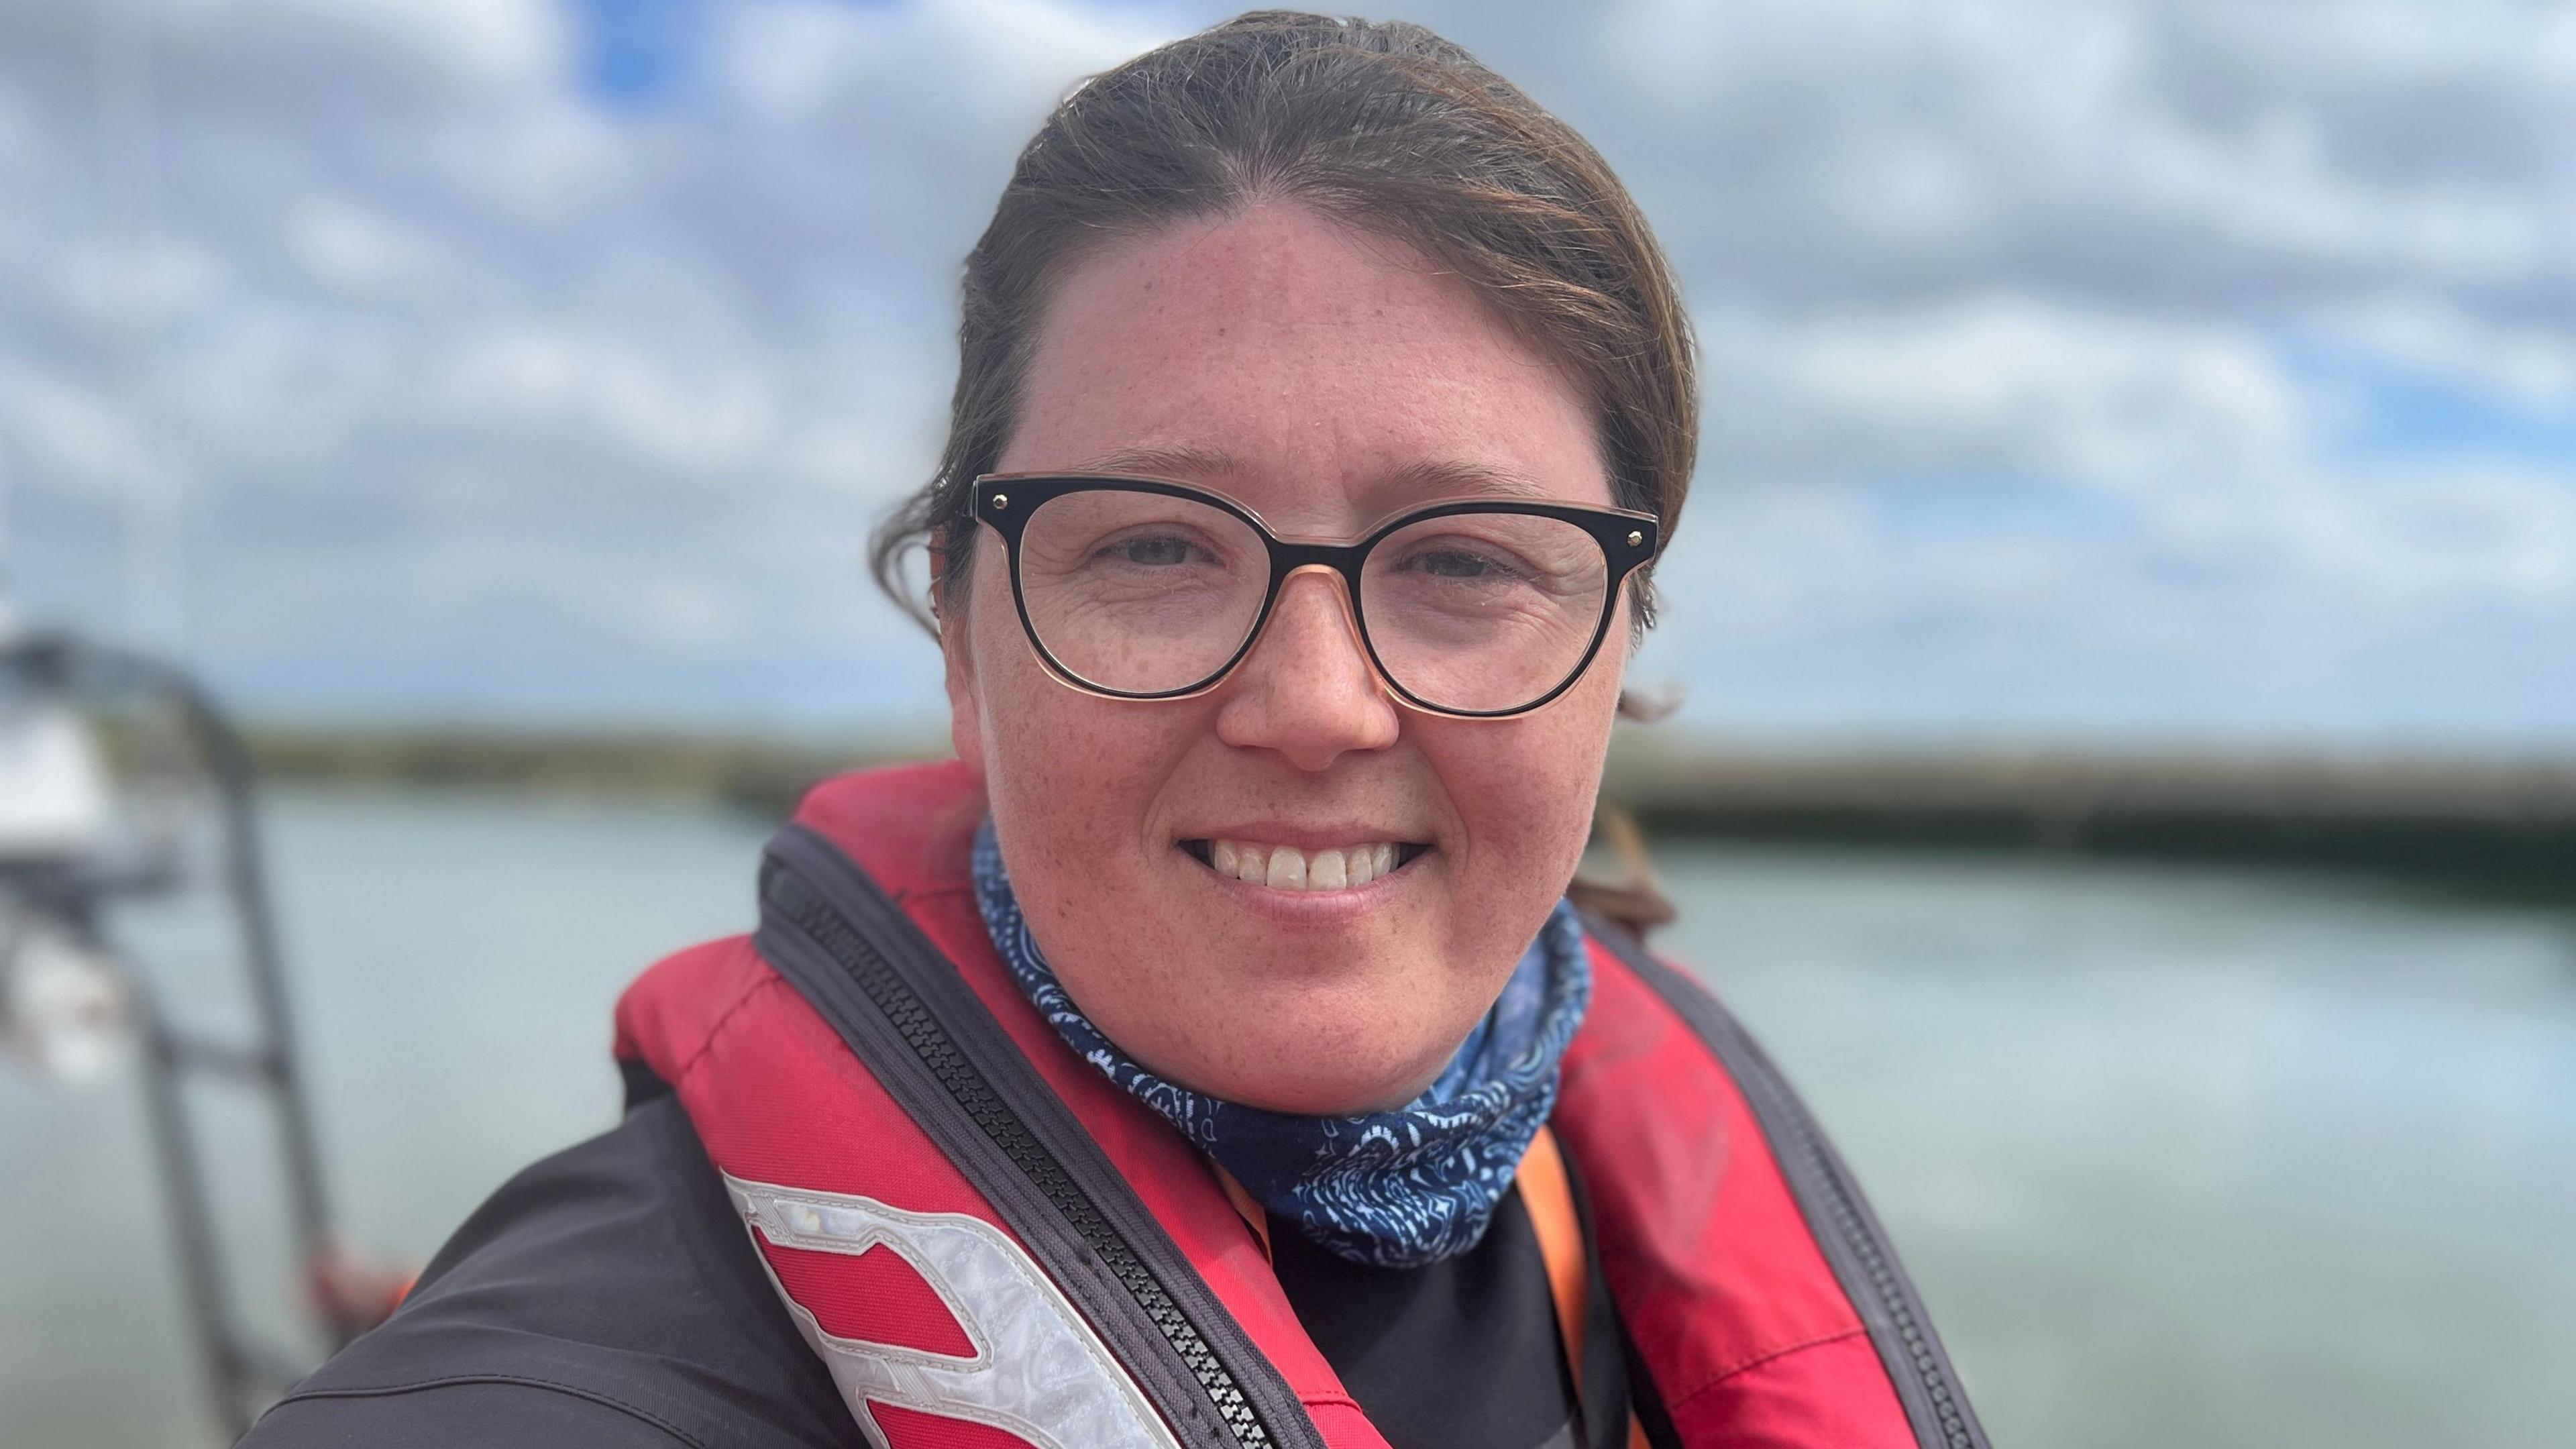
column 1286, row 868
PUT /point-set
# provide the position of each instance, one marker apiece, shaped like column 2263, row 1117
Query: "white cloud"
column 351, row 248
column 430, row 48
column 70, row 432
column 2487, row 531
column 990, row 59
column 2198, row 434
column 695, row 416
column 2099, row 398
column 2178, row 151
column 2535, row 367
column 2002, row 298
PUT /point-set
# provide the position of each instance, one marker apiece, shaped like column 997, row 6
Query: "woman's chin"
column 1317, row 1064
column 1336, row 1014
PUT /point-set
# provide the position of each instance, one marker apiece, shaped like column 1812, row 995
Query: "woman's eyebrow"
column 1184, row 462
column 1461, row 475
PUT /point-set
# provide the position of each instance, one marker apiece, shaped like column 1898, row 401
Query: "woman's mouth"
column 1288, row 868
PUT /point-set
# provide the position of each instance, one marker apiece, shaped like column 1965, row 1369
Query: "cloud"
column 2194, row 153
column 450, row 363
column 2094, row 396
column 622, row 401
column 2052, row 344
column 2533, row 367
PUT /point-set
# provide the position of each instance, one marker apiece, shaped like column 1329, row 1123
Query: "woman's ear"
column 965, row 702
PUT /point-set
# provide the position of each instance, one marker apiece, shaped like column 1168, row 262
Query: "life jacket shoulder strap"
column 902, row 1009
column 1738, row 1150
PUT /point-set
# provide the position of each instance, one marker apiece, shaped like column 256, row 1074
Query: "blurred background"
column 2124, row 628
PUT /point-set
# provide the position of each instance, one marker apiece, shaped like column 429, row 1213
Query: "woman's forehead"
column 1342, row 504
column 1321, row 377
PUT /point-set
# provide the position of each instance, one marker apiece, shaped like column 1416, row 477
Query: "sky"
column 2077, row 371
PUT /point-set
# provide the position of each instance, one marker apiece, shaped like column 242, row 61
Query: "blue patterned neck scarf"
column 1392, row 1189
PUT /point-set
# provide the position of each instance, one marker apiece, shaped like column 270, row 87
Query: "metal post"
column 232, row 768
column 192, row 1228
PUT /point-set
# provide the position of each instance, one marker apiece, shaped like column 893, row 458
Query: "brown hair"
column 1383, row 125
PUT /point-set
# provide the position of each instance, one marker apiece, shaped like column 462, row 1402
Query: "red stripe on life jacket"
column 875, row 1295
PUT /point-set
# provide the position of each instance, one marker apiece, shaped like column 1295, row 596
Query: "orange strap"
column 1247, row 1207
column 1549, row 1200
column 1548, row 1197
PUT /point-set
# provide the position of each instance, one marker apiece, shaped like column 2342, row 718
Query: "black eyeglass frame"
column 1005, row 502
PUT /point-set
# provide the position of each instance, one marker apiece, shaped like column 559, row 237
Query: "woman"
column 1209, row 1055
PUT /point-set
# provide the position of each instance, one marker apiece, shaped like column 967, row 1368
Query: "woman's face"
column 1325, row 379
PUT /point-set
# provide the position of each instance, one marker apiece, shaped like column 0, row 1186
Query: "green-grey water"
column 2177, row 1157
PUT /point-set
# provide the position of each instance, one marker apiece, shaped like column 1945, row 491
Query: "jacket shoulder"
column 605, row 1296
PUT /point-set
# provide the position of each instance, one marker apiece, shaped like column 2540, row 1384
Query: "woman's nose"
column 1307, row 690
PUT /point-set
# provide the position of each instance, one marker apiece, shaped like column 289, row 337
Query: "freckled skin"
column 1325, row 362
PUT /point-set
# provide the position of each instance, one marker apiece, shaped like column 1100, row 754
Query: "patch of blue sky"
column 2384, row 410
column 635, row 54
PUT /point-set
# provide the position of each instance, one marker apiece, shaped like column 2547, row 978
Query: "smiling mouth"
column 1287, row 868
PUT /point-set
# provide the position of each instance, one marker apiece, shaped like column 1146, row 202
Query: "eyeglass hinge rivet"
column 1636, row 538
column 1003, row 500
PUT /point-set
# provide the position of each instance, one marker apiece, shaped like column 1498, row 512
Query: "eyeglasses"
column 1138, row 588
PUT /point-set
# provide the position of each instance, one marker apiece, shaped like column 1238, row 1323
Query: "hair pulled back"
column 1383, row 126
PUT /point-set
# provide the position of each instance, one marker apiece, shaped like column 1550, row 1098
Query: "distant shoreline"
column 2502, row 823
column 748, row 772
column 2494, row 824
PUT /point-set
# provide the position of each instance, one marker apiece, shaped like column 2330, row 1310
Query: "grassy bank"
column 2502, row 823
column 2509, row 823
column 764, row 774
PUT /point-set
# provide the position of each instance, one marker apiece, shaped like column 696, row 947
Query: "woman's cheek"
column 1087, row 772
column 1526, row 798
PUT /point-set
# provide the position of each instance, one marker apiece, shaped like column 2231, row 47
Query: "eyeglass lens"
column 1144, row 593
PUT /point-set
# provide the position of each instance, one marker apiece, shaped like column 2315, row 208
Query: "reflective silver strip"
column 1038, row 1370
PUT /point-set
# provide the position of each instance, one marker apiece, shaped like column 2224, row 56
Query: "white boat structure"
column 77, row 1003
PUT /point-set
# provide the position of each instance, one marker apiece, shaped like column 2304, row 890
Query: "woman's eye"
column 1152, row 552
column 1452, row 563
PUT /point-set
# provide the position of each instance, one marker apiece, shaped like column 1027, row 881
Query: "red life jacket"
column 990, row 1244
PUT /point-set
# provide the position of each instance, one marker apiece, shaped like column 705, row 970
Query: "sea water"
column 2176, row 1156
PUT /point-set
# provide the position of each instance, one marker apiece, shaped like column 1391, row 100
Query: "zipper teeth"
column 1883, row 1277
column 921, row 1031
